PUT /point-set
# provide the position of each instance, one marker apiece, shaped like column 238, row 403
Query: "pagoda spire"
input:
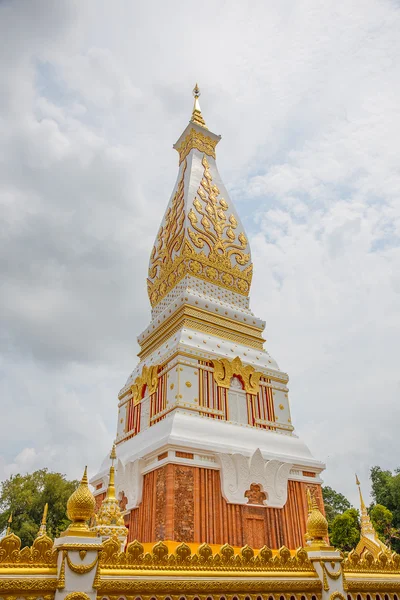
column 43, row 525
column 109, row 520
column 367, row 528
column 197, row 117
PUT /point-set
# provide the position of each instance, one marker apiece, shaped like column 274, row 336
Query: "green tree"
column 26, row 495
column 382, row 520
column 344, row 531
column 386, row 492
column 335, row 503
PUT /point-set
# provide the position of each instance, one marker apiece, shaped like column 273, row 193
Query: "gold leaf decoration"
column 210, row 228
column 225, row 369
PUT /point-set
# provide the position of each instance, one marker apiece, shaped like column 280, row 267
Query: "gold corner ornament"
column 209, row 249
column 225, row 369
column 149, row 379
column 199, row 141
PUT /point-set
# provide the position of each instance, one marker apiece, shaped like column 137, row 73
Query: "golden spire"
column 109, row 520
column 197, row 117
column 366, row 526
column 317, row 525
column 42, row 528
column 80, row 508
column 9, row 521
column 111, row 482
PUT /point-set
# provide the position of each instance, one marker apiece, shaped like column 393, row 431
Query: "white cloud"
column 92, row 97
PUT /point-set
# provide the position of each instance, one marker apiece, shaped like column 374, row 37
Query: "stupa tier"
column 205, row 444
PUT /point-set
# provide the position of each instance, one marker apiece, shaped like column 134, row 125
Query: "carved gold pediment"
column 148, row 378
column 225, row 369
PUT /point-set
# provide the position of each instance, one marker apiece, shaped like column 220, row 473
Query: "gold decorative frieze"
column 201, row 320
column 148, row 378
column 204, row 558
column 200, row 141
column 384, row 563
column 39, row 555
column 225, row 369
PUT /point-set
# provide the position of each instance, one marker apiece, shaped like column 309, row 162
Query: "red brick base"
column 185, row 504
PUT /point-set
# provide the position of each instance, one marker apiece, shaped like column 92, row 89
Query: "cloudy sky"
column 92, row 96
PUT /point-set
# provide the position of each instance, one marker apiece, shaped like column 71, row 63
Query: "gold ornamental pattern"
column 225, row 369
column 210, row 249
column 149, row 379
column 196, row 139
column 212, row 228
column 204, row 559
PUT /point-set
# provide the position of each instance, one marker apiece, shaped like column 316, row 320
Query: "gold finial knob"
column 80, row 508
column 317, row 525
column 357, row 480
column 197, row 117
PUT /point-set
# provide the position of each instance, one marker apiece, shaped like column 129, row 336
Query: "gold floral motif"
column 225, row 369
column 212, row 230
column 200, row 141
column 170, row 236
column 148, row 378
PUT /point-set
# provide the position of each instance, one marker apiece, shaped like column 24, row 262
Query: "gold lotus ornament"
column 80, row 509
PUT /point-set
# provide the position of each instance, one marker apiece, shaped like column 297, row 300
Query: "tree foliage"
column 335, row 503
column 344, row 530
column 26, row 495
column 386, row 493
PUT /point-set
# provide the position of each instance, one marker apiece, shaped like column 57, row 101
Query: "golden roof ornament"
column 197, row 117
column 43, row 525
column 80, row 509
column 366, row 526
column 369, row 538
column 109, row 521
column 317, row 525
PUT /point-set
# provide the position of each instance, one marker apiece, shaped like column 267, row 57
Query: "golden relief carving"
column 213, row 228
column 212, row 231
column 18, row 585
column 198, row 586
column 204, row 559
column 149, row 379
column 367, row 563
column 171, row 234
column 200, row 141
column 225, row 369
column 39, row 555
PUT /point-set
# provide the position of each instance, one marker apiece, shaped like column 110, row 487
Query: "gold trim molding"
column 206, row 322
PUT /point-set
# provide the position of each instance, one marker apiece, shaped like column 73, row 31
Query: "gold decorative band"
column 196, row 139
